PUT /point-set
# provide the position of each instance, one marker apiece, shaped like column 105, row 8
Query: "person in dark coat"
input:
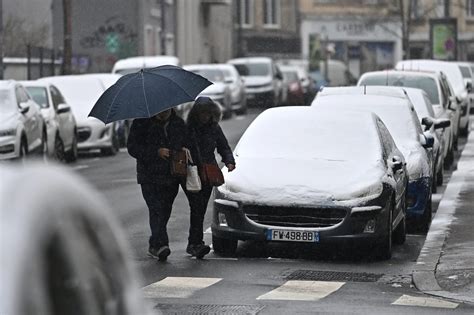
column 150, row 142
column 204, row 136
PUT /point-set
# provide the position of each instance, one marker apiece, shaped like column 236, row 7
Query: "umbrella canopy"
column 148, row 92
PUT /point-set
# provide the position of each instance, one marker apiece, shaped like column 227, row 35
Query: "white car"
column 398, row 114
column 467, row 70
column 455, row 78
column 218, row 91
column 320, row 177
column 134, row 64
column 439, row 94
column 237, row 88
column 60, row 122
column 263, row 80
column 22, row 128
column 81, row 93
column 62, row 249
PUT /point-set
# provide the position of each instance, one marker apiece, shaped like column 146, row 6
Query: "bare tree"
column 17, row 35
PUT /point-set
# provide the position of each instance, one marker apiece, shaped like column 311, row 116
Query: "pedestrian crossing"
column 292, row 290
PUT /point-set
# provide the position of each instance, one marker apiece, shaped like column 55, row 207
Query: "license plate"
column 293, row 236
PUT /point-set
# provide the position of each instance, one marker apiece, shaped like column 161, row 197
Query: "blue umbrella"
column 148, row 92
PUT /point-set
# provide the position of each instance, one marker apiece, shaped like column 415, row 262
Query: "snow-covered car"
column 309, row 180
column 60, row 122
column 263, row 80
column 400, row 117
column 436, row 127
column 62, row 249
column 439, row 93
column 134, row 64
column 467, row 70
column 237, row 87
column 81, row 93
column 219, row 91
column 22, row 128
column 292, row 84
column 455, row 79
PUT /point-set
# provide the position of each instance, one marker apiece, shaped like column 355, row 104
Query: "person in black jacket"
column 150, row 142
column 205, row 136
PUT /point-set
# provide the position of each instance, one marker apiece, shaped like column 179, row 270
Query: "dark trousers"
column 198, row 204
column 159, row 199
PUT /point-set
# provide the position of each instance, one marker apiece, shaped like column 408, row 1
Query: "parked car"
column 60, row 122
column 219, row 91
column 22, row 128
column 263, row 80
column 400, row 117
column 439, row 94
column 237, row 88
column 455, row 78
column 62, row 249
column 292, row 83
column 307, row 83
column 436, row 127
column 309, row 181
column 467, row 70
column 81, row 93
column 134, row 64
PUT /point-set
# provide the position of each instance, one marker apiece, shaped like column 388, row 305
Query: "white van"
column 134, row 64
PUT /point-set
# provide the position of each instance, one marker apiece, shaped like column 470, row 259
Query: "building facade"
column 365, row 34
column 267, row 28
column 421, row 11
column 107, row 30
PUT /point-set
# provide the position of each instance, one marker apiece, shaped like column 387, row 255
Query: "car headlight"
column 8, row 132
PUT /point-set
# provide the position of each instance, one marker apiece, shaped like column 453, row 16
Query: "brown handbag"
column 211, row 174
column 178, row 163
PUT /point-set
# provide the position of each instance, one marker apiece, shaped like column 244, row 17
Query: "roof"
column 414, row 73
column 250, row 60
column 388, row 91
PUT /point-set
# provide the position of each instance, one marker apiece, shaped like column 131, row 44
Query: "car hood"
column 216, row 88
column 301, row 182
column 81, row 112
column 257, row 80
column 8, row 120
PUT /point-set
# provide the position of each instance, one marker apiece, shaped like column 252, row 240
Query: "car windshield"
column 253, row 69
column 7, row 104
column 213, row 75
column 39, row 95
column 466, row 74
column 425, row 83
column 290, row 76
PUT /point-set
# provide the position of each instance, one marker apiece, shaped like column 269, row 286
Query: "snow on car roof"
column 146, row 62
column 364, row 90
column 250, row 60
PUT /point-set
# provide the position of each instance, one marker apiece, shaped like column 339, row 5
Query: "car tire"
column 71, row 155
column 383, row 250
column 440, row 176
column 400, row 233
column 223, row 246
column 44, row 147
column 23, row 150
column 448, row 161
column 58, row 149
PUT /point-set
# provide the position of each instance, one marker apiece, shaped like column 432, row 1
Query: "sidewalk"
column 445, row 266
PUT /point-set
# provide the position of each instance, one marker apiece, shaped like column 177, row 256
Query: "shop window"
column 271, row 10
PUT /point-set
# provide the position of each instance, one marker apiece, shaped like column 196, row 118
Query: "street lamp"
column 325, row 39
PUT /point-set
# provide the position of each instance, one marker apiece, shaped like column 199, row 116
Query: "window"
column 470, row 8
column 246, row 13
column 271, row 11
column 56, row 96
column 39, row 95
column 416, row 10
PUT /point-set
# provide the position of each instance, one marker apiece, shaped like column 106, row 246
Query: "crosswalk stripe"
column 302, row 290
column 408, row 300
column 177, row 287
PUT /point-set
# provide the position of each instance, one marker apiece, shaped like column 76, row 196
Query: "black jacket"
column 145, row 138
column 208, row 138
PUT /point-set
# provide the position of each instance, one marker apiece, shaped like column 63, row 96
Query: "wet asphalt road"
column 245, row 284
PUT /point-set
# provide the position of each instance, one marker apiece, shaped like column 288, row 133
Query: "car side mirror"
column 396, row 163
column 279, row 76
column 427, row 140
column 63, row 108
column 24, row 107
column 427, row 122
column 469, row 87
column 442, row 123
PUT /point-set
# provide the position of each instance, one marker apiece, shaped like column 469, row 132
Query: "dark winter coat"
column 205, row 139
column 146, row 137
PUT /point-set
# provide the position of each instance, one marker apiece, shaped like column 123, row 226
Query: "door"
column 65, row 120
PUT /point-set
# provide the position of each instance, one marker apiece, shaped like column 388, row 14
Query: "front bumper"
column 94, row 137
column 419, row 195
column 9, row 148
column 241, row 223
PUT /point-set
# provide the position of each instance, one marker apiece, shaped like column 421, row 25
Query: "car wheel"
column 23, row 150
column 439, row 176
column 223, row 246
column 449, row 159
column 425, row 221
column 44, row 147
column 384, row 249
column 58, row 148
column 400, row 233
column 71, row 155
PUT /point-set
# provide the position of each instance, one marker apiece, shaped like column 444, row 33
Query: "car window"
column 253, row 69
column 39, row 95
column 386, row 138
column 21, row 95
column 445, row 93
column 56, row 96
column 213, row 75
column 466, row 74
column 427, row 84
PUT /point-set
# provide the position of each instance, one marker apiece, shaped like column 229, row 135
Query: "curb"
column 424, row 273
